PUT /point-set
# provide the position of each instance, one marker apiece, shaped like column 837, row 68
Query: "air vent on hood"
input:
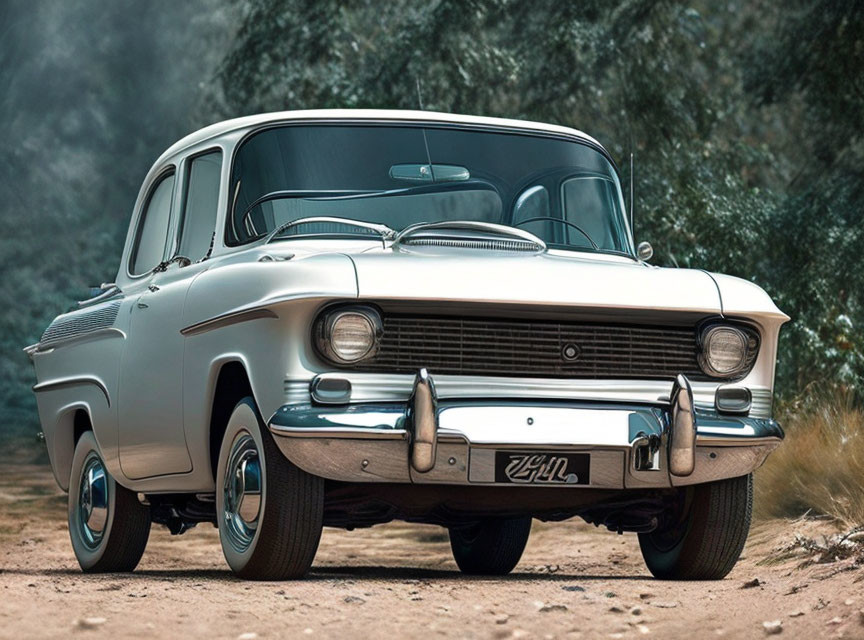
column 469, row 234
column 490, row 244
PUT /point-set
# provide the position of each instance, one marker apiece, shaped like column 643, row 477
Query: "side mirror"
column 98, row 294
column 644, row 251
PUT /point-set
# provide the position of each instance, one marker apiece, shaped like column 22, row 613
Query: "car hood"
column 533, row 279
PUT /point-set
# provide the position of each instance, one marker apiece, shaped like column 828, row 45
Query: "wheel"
column 108, row 526
column 704, row 539
column 270, row 512
column 491, row 547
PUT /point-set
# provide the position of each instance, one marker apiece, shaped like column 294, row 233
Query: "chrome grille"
column 483, row 346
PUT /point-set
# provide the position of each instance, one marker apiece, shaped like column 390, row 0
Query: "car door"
column 152, row 440
column 150, row 414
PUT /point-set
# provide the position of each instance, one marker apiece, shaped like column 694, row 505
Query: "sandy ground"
column 399, row 580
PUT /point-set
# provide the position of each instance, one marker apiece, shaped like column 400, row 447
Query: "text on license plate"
column 533, row 467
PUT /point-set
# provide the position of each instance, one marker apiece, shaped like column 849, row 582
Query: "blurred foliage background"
column 745, row 118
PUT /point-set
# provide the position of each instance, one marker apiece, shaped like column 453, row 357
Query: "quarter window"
column 199, row 209
column 153, row 227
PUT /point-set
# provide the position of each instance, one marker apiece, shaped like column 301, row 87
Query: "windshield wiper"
column 561, row 221
column 383, row 230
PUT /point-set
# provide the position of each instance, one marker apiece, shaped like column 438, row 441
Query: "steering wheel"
column 560, row 221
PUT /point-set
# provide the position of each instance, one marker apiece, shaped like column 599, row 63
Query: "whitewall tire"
column 269, row 512
column 108, row 526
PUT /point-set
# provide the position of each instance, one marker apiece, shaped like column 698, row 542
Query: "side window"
column 153, row 228
column 589, row 201
column 199, row 208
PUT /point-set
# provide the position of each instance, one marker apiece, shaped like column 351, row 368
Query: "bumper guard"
column 428, row 440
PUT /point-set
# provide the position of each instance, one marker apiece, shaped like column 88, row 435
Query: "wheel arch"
column 232, row 383
column 73, row 420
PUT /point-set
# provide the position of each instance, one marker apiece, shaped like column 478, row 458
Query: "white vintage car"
column 343, row 318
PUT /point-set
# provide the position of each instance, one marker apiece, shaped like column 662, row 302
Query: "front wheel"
column 704, row 538
column 490, row 547
column 108, row 526
column 270, row 512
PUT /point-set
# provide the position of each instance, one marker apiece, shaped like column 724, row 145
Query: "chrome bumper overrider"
column 455, row 441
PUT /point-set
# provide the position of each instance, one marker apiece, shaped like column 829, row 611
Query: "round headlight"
column 724, row 351
column 349, row 335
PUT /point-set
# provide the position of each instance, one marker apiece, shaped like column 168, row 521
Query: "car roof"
column 387, row 115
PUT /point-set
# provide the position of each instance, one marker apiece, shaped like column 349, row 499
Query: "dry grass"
column 819, row 469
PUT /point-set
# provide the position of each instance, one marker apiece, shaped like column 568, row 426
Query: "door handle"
column 153, row 288
column 143, row 305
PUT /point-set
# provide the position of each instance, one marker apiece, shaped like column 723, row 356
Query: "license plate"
column 533, row 467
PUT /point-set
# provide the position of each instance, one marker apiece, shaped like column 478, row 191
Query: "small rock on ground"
column 89, row 623
column 772, row 627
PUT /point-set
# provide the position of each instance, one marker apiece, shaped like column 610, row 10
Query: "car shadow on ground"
column 328, row 573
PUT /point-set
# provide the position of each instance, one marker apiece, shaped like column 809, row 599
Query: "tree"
column 700, row 93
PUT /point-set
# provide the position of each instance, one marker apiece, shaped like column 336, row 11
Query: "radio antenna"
column 632, row 230
column 419, row 95
column 425, row 141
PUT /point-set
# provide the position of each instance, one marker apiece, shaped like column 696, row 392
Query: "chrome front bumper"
column 428, row 441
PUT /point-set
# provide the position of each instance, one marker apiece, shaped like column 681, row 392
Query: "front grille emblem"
column 571, row 352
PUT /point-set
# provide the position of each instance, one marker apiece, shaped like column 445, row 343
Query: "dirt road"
column 399, row 580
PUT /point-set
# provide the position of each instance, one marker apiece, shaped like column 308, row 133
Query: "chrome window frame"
column 163, row 173
column 184, row 175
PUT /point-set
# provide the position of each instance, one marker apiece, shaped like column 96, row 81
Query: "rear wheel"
column 490, row 547
column 270, row 512
column 704, row 539
column 108, row 526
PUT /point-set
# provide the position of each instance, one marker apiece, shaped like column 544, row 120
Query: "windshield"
column 564, row 192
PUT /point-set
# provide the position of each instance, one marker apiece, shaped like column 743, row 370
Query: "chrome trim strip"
column 386, row 387
column 736, row 441
column 297, row 390
column 98, row 334
column 60, row 383
column 360, row 433
column 761, row 402
column 226, row 320
column 448, row 435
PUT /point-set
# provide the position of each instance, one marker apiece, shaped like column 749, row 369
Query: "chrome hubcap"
column 242, row 492
column 93, row 501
